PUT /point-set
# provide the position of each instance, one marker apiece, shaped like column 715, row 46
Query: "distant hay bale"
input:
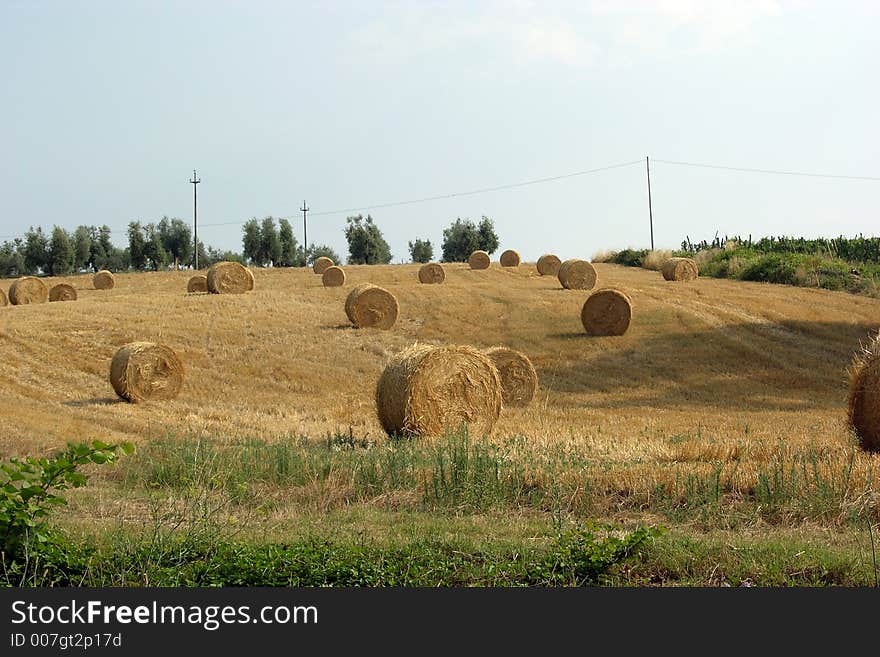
column 548, row 265
column 142, row 371
column 510, row 258
column 28, row 289
column 863, row 413
column 427, row 390
column 62, row 292
column 479, row 260
column 432, row 272
column 3, row 300
column 519, row 380
column 333, row 276
column 680, row 269
column 371, row 306
column 607, row 312
column 197, row 283
column 103, row 280
column 577, row 275
column 229, row 278
column 321, row 264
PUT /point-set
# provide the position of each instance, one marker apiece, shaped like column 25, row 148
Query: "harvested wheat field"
column 717, row 378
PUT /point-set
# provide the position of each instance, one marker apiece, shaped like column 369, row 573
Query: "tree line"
column 267, row 242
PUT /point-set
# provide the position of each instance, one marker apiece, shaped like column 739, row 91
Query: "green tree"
column 488, row 236
column 12, row 258
column 177, row 241
column 250, row 242
column 464, row 237
column 318, row 250
column 60, row 260
column 216, row 255
column 156, row 255
column 366, row 246
column 137, row 246
column 270, row 243
column 103, row 255
column 36, row 251
column 290, row 256
column 82, row 247
column 421, row 251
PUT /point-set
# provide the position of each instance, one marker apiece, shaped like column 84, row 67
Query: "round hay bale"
column 321, row 264
column 371, row 306
column 3, row 300
column 427, row 390
column 229, row 278
column 432, row 272
column 519, row 380
column 607, row 312
column 103, row 280
column 142, row 371
column 197, row 283
column 28, row 289
column 548, row 265
column 577, row 275
column 333, row 276
column 479, row 260
column 62, row 292
column 680, row 269
column 863, row 413
column 510, row 258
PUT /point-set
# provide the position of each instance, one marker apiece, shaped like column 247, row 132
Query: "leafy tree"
column 82, row 247
column 250, row 242
column 176, row 237
column 318, row 250
column 137, row 246
column 36, row 251
column 270, row 243
column 366, row 246
column 216, row 255
column 290, row 256
column 60, row 259
column 421, row 251
column 103, row 255
column 464, row 237
column 12, row 258
column 154, row 251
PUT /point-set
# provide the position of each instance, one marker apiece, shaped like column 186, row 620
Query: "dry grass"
column 654, row 259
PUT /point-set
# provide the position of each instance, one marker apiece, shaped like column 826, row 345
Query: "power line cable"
column 773, row 171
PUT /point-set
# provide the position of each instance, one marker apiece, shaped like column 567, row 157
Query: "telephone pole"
column 650, row 210
column 195, row 181
column 305, row 209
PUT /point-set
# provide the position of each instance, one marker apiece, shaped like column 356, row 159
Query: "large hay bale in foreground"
column 863, row 413
column 607, row 312
column 103, row 280
column 142, row 371
column 3, row 300
column 197, row 283
column 519, row 380
column 427, row 390
column 509, row 258
column 548, row 265
column 479, row 260
column 62, row 292
column 229, row 278
column 680, row 269
column 432, row 272
column 321, row 264
column 577, row 275
column 371, row 306
column 28, row 289
column 333, row 276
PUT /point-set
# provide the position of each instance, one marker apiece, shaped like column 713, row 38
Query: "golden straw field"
column 712, row 375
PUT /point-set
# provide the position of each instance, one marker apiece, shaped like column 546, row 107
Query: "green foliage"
column 464, row 237
column 36, row 251
column 366, row 246
column 771, row 269
column 82, row 247
column 177, row 240
column 270, row 243
column 318, row 250
column 629, row 257
column 28, row 492
column 137, row 246
column 61, row 255
column 291, row 256
column 421, row 251
column 250, row 241
column 12, row 258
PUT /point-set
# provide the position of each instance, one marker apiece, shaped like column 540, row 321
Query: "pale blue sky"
column 106, row 107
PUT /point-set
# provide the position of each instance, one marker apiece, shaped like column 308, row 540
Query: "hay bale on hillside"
column 321, row 264
column 863, row 412
column 479, row 260
column 142, row 371
column 28, row 289
column 197, row 283
column 103, row 280
column 509, row 258
column 333, row 276
column 607, row 312
column 432, row 272
column 519, row 380
column 548, row 265
column 371, row 306
column 229, row 278
column 3, row 299
column 427, row 390
column 62, row 292
column 680, row 269
column 577, row 275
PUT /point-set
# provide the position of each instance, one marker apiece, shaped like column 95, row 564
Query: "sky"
column 107, row 107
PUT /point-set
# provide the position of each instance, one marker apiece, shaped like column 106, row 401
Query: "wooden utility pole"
column 195, row 181
column 650, row 210
column 305, row 209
